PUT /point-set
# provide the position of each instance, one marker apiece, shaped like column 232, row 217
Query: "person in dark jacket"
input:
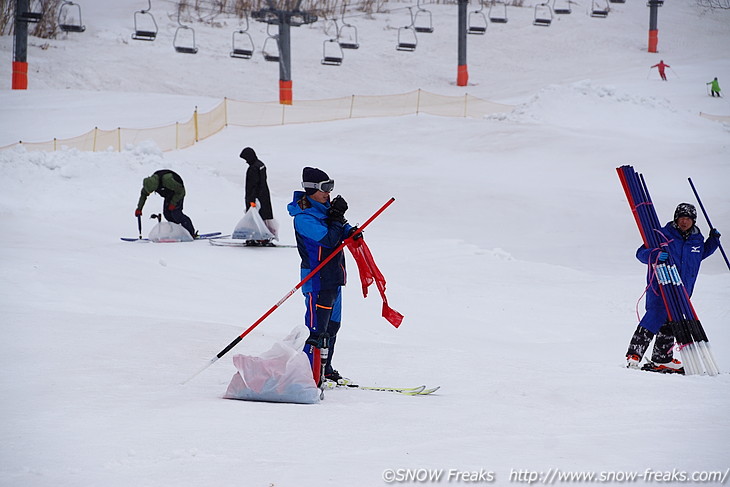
column 257, row 188
column 688, row 249
column 320, row 227
column 170, row 186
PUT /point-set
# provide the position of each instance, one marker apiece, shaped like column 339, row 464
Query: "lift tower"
column 284, row 19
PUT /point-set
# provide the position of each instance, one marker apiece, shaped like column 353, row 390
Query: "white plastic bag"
column 282, row 374
column 252, row 227
column 169, row 232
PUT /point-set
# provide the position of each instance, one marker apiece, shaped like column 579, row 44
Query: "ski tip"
column 421, row 391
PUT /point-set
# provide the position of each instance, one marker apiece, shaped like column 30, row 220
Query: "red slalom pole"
column 292, row 291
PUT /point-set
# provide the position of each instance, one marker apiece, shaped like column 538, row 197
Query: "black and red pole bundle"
column 248, row 330
column 683, row 319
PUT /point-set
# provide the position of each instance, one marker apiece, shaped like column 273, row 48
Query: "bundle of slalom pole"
column 688, row 331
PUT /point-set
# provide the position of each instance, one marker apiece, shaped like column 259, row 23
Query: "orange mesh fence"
column 256, row 114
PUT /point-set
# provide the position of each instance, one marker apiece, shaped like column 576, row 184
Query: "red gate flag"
column 370, row 273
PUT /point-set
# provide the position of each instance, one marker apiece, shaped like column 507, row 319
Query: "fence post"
column 225, row 111
column 195, row 122
column 352, row 104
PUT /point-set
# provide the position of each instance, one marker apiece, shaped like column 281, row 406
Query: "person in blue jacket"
column 320, row 227
column 688, row 248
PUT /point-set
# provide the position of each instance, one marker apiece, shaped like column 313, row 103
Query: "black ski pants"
column 663, row 344
column 177, row 215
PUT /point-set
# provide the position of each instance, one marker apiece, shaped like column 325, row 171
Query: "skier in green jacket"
column 715, row 87
column 169, row 185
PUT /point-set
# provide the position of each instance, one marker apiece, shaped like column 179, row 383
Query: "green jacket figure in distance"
column 714, row 87
column 170, row 186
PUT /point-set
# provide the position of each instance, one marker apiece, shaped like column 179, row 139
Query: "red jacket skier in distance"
column 660, row 66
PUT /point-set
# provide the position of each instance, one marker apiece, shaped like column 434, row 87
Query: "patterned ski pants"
column 663, row 344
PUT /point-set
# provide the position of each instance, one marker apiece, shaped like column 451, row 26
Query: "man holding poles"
column 320, row 229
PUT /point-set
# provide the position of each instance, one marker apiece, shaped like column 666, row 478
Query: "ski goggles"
column 324, row 186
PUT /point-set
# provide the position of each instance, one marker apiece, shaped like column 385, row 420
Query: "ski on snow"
column 202, row 236
column 238, row 242
column 407, row 391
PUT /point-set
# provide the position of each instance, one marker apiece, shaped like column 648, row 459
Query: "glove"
column 715, row 233
column 663, row 256
column 337, row 210
column 357, row 236
column 321, row 340
column 171, row 207
column 137, row 212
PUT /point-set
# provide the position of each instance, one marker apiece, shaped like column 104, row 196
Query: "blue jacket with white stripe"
column 317, row 237
column 687, row 254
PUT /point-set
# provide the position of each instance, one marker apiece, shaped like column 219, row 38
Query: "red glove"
column 171, row 207
column 137, row 212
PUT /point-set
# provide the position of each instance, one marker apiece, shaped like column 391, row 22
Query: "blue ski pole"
column 708, row 220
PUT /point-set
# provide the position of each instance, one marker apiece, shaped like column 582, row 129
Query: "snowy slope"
column 509, row 249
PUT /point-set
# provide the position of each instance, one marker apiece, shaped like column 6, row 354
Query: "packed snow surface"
column 509, row 249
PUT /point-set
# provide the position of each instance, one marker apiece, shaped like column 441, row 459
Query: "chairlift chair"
column 185, row 48
column 426, row 28
column 332, row 56
column 407, row 39
column 477, row 21
column 242, row 43
column 599, row 9
column 145, row 25
column 63, row 14
column 500, row 15
column 269, row 54
column 407, row 42
column 561, row 7
column 347, row 34
column 543, row 15
column 31, row 15
column 189, row 48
